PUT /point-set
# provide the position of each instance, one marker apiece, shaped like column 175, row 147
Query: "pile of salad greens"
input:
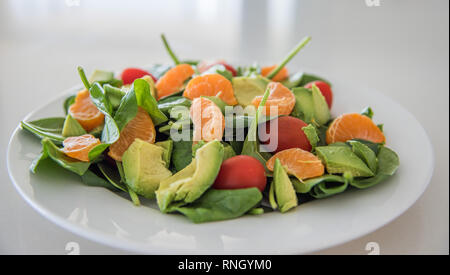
column 180, row 175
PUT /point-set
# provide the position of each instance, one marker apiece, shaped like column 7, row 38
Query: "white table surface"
column 400, row 48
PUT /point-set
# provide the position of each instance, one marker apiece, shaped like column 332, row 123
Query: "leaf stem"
column 83, row 77
column 169, row 50
column 288, row 58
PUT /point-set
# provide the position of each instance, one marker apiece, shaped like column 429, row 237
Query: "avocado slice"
column 144, row 167
column 246, row 88
column 72, row 128
column 283, row 188
column 190, row 183
column 310, row 105
column 151, row 83
column 101, row 76
column 304, row 107
column 167, row 145
column 321, row 110
column 341, row 159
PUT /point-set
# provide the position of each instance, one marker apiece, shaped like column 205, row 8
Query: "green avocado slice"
column 341, row 159
column 144, row 167
column 191, row 182
column 246, row 88
column 283, row 188
column 72, row 128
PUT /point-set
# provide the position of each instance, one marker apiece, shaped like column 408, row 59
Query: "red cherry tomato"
column 289, row 134
column 325, row 89
column 131, row 74
column 241, row 172
column 203, row 66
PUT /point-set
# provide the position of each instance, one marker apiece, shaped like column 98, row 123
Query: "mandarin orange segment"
column 208, row 120
column 299, row 163
column 280, row 76
column 351, row 126
column 85, row 111
column 211, row 85
column 173, row 80
column 141, row 126
column 279, row 97
column 79, row 147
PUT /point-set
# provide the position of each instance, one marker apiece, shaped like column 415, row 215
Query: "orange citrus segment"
column 173, row 80
column 281, row 75
column 85, row 112
column 350, row 126
column 211, row 85
column 300, row 163
column 208, row 120
column 79, row 147
column 141, row 127
column 280, row 97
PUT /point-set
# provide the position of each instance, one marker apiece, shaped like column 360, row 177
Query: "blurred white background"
column 400, row 48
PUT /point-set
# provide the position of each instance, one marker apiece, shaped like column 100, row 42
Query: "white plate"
column 105, row 217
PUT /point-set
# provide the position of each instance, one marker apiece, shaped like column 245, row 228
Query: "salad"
column 213, row 142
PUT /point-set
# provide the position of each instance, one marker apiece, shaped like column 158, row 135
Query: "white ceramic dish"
column 108, row 218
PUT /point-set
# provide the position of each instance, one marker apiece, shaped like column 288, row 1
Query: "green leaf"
column 365, row 153
column 74, row 165
column 219, row 69
column 166, row 104
column 112, row 176
column 388, row 163
column 68, row 102
column 251, row 143
column 111, row 132
column 114, row 95
column 308, row 78
column 182, row 154
column 147, row 101
column 127, row 110
column 311, row 133
column 306, row 185
column 216, row 205
column 50, row 128
column 91, row 179
column 368, row 112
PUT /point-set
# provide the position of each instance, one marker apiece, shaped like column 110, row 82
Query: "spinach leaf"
column 165, row 105
column 216, row 205
column 49, row 149
column 311, row 133
column 219, row 69
column 111, row 132
column 251, row 145
column 114, row 95
column 293, row 80
column 68, row 102
column 50, row 128
column 92, row 179
column 127, row 110
column 368, row 112
column 147, row 101
column 159, row 70
column 306, row 185
column 288, row 58
column 365, row 153
column 307, row 78
column 182, row 154
column 388, row 163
